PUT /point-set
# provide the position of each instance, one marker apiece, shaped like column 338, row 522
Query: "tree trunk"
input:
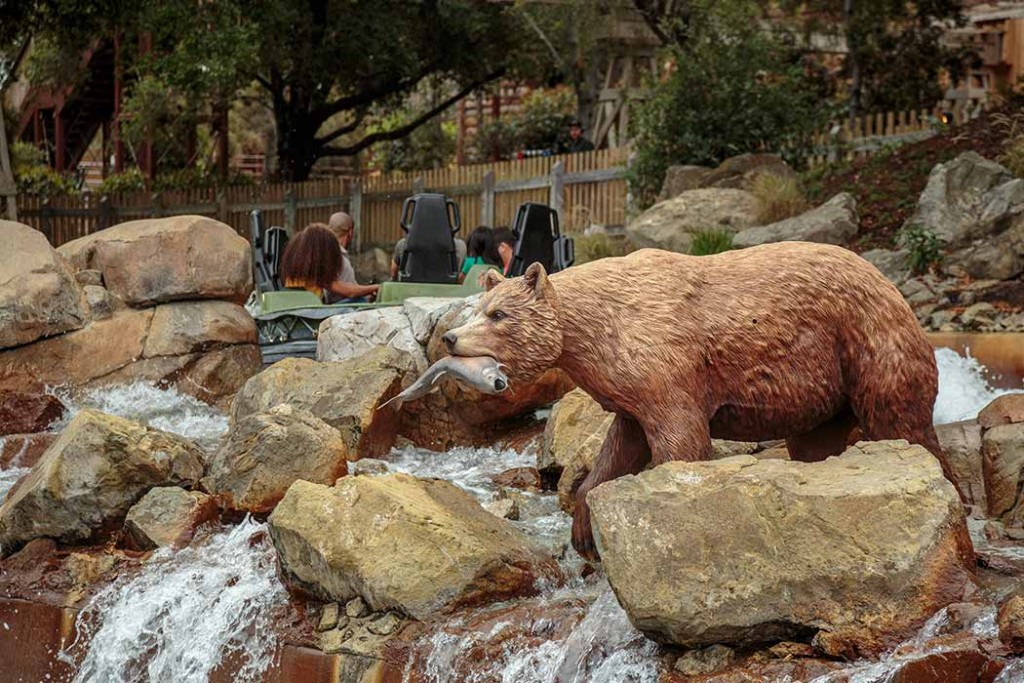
column 853, row 58
column 297, row 149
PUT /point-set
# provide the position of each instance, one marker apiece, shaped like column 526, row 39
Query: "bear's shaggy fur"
column 792, row 340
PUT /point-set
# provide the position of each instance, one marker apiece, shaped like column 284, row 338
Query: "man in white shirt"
column 343, row 227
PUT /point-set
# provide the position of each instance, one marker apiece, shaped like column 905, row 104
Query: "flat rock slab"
column 858, row 550
column 167, row 517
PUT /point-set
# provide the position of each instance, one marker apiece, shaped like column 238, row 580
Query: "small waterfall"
column 165, row 409
column 963, row 389
column 185, row 612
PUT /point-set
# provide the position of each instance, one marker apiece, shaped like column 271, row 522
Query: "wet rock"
column 189, row 326
column 92, row 475
column 424, row 312
column 167, row 517
column 356, row 608
column 347, row 336
column 28, row 412
column 385, row 625
column 834, row 222
column 671, row 224
column 526, row 478
column 706, row 661
column 961, row 442
column 267, row 452
column 505, row 508
column 369, row 466
column 167, row 259
column 785, row 650
column 863, row 547
column 331, row 642
column 1007, row 409
column 892, row 263
column 1002, row 450
column 345, row 395
column 24, row 450
column 1011, row 623
column 416, row 546
column 573, row 437
column 329, row 617
column 39, row 296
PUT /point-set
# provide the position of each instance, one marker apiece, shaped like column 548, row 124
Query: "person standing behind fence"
column 577, row 142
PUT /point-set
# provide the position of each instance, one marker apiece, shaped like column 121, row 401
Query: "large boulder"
column 976, row 208
column 418, row 546
column 343, row 394
column 423, row 313
column 39, row 296
column 1005, row 409
column 572, row 440
column 681, row 178
column 346, row 336
column 167, row 259
column 893, row 264
column 672, row 223
column 834, row 222
column 90, row 477
column 265, row 453
column 205, row 349
column 859, row 549
column 961, row 441
column 738, row 172
column 167, row 517
column 1002, row 450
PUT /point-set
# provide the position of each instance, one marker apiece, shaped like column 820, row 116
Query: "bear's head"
column 516, row 323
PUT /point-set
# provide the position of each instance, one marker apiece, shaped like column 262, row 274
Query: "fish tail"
column 391, row 400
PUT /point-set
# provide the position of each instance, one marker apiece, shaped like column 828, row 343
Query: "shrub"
column 597, row 246
column 45, row 182
column 130, row 180
column 777, row 197
column 925, row 250
column 707, row 242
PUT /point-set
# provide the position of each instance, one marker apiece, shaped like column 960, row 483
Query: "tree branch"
column 348, row 128
column 368, row 96
column 408, row 128
column 652, row 18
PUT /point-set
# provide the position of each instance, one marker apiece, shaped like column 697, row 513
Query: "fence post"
column 557, row 196
column 356, row 209
column 487, row 200
column 289, row 211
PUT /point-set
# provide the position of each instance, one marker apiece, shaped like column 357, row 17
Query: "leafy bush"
column 734, row 89
column 707, row 242
column 925, row 250
column 33, row 176
column 198, row 177
column 129, row 180
column 541, row 124
column 597, row 246
column 777, row 198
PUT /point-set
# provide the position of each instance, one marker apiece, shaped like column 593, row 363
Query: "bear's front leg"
column 625, row 451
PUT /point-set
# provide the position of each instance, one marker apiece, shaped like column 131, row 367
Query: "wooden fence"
column 586, row 188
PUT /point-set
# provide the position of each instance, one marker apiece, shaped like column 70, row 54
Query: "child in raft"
column 480, row 250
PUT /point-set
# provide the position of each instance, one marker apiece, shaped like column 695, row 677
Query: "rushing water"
column 185, row 611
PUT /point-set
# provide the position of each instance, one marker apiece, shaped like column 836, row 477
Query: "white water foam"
column 184, row 612
column 165, row 409
column 8, row 478
column 963, row 389
column 471, row 469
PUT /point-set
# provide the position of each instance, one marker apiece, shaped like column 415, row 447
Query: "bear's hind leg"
column 625, row 451
column 827, row 439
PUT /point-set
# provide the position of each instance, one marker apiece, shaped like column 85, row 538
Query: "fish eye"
column 498, row 315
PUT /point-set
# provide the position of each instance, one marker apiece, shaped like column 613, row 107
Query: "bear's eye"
column 498, row 315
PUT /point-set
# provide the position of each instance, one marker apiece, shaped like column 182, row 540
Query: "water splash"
column 165, row 409
column 471, row 469
column 963, row 389
column 185, row 612
column 8, row 478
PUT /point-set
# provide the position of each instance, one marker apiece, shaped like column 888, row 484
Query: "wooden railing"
column 586, row 188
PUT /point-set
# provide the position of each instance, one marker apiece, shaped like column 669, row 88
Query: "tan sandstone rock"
column 39, row 296
column 671, row 224
column 345, row 395
column 167, row 517
column 88, row 479
column 1006, row 409
column 862, row 548
column 834, row 222
column 418, row 546
column 267, row 452
column 189, row 326
column 961, row 442
column 167, row 259
column 1002, row 450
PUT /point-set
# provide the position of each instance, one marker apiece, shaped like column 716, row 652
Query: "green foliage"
column 129, row 180
column 777, row 198
column 925, row 249
column 1011, row 124
column 429, row 146
column 735, row 89
column 541, row 124
column 196, row 178
column 597, row 246
column 707, row 242
column 33, row 176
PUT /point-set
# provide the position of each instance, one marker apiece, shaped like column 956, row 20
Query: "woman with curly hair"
column 312, row 260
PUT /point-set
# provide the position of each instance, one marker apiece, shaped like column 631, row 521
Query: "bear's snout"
column 449, row 340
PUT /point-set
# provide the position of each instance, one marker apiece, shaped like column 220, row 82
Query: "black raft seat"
column 430, row 222
column 538, row 240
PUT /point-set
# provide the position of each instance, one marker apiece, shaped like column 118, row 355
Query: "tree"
column 323, row 64
column 734, row 89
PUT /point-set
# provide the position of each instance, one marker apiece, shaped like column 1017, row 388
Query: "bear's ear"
column 536, row 278
column 492, row 279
